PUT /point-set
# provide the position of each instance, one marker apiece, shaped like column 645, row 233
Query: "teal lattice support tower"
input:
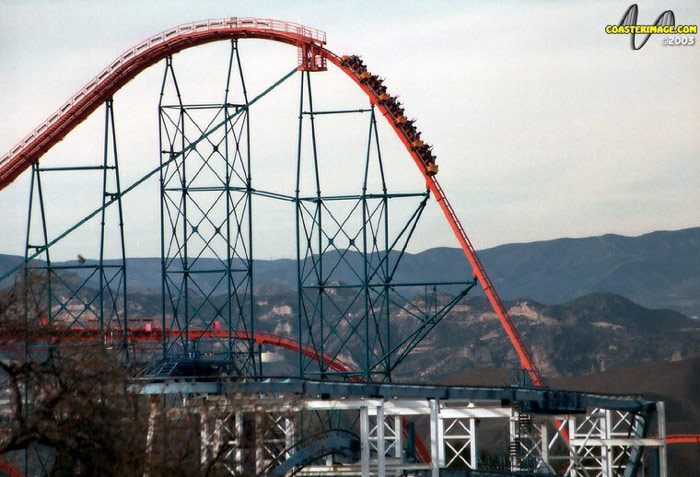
column 206, row 225
column 81, row 294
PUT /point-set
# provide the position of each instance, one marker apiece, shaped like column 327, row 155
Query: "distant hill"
column 657, row 270
column 585, row 335
column 676, row 383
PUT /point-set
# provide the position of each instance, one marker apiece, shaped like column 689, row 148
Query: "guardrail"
column 314, row 35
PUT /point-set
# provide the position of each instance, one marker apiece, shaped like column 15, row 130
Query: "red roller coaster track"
column 311, row 44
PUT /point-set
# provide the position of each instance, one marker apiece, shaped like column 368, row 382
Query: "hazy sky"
column 544, row 126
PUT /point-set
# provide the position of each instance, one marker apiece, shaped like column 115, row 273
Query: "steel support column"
column 661, row 425
column 364, row 441
column 381, row 442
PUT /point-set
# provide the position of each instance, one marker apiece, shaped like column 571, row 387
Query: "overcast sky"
column 544, row 126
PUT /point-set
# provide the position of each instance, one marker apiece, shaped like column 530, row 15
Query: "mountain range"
column 588, row 334
column 657, row 270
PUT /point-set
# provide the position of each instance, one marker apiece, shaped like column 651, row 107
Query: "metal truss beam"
column 307, row 387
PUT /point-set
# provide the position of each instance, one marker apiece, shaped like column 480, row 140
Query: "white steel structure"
column 262, row 428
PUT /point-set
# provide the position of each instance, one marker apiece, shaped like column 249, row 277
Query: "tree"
column 70, row 402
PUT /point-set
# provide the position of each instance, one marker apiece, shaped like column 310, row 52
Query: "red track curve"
column 144, row 334
column 683, row 439
column 311, row 41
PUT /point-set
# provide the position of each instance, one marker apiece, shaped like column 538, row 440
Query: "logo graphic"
column 665, row 24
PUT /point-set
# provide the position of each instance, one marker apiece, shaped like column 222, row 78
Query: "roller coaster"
column 351, row 334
